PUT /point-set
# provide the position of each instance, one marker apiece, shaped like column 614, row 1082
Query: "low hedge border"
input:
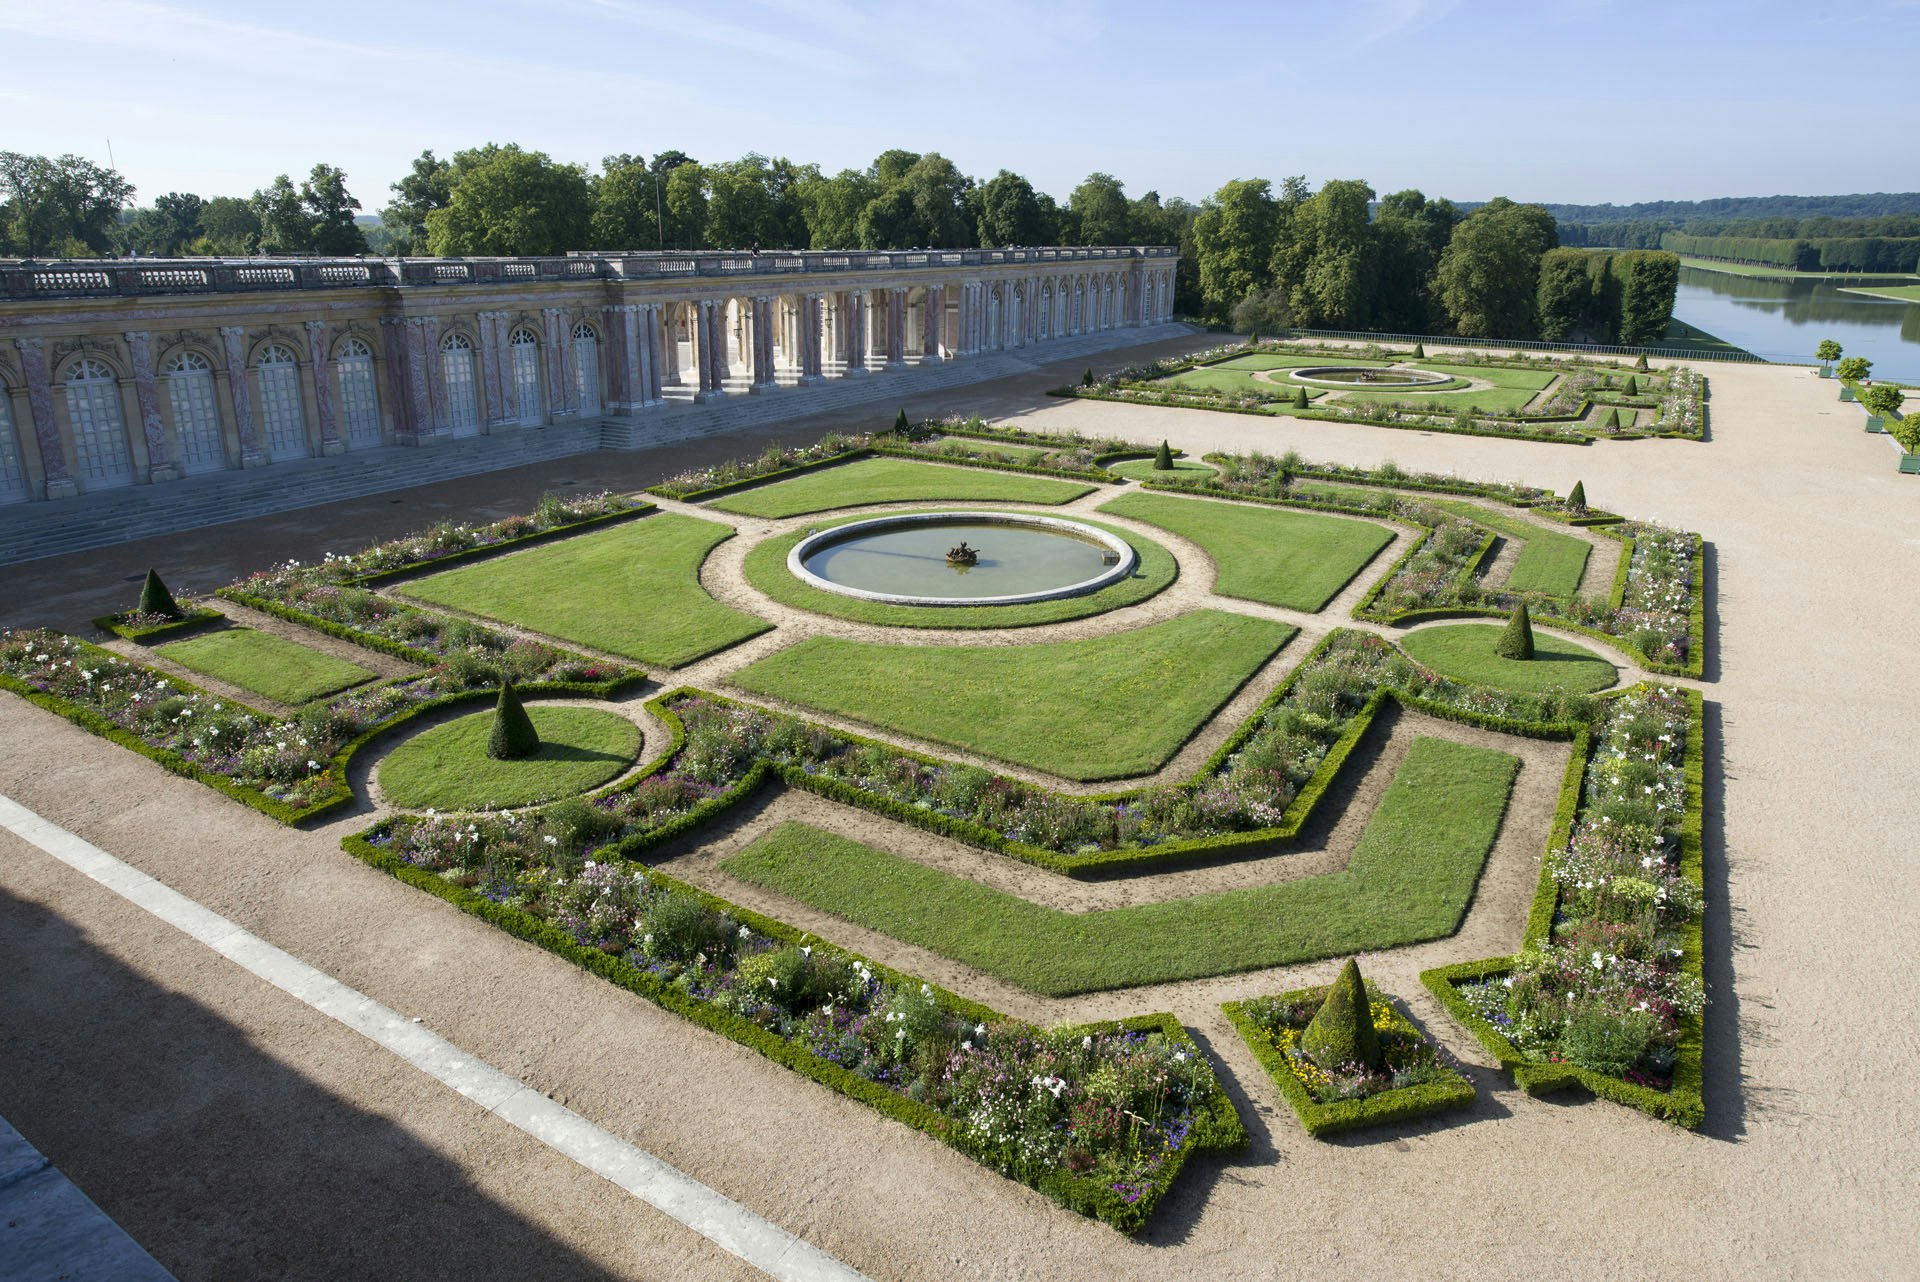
column 434, row 565
column 1217, row 1126
column 1683, row 1103
column 345, row 632
column 1193, row 403
column 1322, row 1120
column 193, row 619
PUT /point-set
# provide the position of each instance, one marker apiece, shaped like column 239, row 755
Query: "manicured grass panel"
column 633, row 590
column 1549, row 562
column 269, row 666
column 1282, row 558
column 1465, row 652
column 447, row 767
column 194, row 617
column 894, row 480
column 1144, row 470
column 1410, row 879
column 1104, row 707
column 766, row 569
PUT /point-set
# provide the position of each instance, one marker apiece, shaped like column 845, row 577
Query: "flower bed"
column 1413, row 1082
column 1607, row 991
column 1101, row 1118
column 132, row 625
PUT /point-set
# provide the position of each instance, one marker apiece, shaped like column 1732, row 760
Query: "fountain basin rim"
column 1129, row 559
column 1318, row 374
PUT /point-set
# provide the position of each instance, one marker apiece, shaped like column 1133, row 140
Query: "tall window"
column 359, row 402
column 463, row 400
column 196, row 415
column 586, row 370
column 13, row 477
column 99, row 428
column 524, row 354
column 280, row 407
column 1046, row 311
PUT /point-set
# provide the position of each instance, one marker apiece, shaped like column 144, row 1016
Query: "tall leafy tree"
column 1335, row 240
column 232, row 226
column 891, row 166
column 62, row 206
column 330, row 210
column 1410, row 234
column 284, row 227
column 1007, row 212
column 426, row 187
column 1649, row 281
column 686, row 205
column 503, row 200
column 629, row 206
column 1565, row 302
column 1099, row 206
column 1234, row 239
column 832, row 206
column 1489, row 276
column 169, row 228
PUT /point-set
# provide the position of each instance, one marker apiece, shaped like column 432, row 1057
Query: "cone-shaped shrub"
column 1420, row 351
column 1517, row 641
column 1641, row 364
column 1253, row 340
column 1342, row 1033
column 1633, row 385
column 513, row 734
column 1613, row 419
column 1163, row 458
column 1299, row 398
column 900, row 421
column 1577, row 497
column 155, row 599
column 1086, row 379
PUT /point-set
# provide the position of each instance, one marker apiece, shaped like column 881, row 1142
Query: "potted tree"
column 1907, row 432
column 1881, row 401
column 1852, row 370
column 1828, row 352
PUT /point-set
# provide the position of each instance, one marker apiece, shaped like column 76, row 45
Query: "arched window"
column 993, row 319
column 1046, row 311
column 524, row 353
column 586, row 370
column 196, row 414
column 359, row 399
column 13, row 476
column 99, row 428
column 280, row 406
column 463, row 400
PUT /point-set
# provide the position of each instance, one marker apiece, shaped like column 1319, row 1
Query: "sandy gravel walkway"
column 234, row 1138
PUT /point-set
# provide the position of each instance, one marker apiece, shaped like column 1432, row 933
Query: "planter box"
column 1826, row 371
column 1846, row 393
column 1876, row 424
column 1910, row 463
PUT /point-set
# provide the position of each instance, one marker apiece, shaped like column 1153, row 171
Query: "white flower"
column 1086, row 1043
column 744, row 932
column 979, row 1030
column 550, row 839
column 966, row 1045
column 1597, row 963
column 806, row 950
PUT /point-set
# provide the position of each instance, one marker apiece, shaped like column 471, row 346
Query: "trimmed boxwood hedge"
column 1322, row 1120
column 1683, row 1103
column 1217, row 1126
column 1172, row 401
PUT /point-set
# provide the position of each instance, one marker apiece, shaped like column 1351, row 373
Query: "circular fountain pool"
column 1368, row 376
column 903, row 560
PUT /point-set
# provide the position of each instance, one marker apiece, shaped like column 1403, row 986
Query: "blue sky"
column 1575, row 100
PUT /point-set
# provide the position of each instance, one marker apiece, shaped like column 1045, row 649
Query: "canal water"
column 1784, row 320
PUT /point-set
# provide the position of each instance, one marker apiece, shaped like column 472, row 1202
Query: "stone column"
column 811, row 365
column 670, row 344
column 896, row 328
column 559, row 337
column 323, row 411
column 493, row 341
column 393, row 347
column 709, row 334
column 722, row 319
column 652, row 351
column 233, row 344
column 857, row 332
column 619, row 357
column 146, row 395
column 762, row 348
column 933, row 313
column 434, row 419
column 46, row 433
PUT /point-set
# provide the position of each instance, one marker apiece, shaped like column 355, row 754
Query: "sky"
column 1581, row 101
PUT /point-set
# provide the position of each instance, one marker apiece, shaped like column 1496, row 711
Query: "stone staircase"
column 29, row 531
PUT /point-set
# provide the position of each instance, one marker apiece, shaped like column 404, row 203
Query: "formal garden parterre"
column 588, row 603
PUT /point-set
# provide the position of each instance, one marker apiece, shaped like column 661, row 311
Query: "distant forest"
column 1640, row 226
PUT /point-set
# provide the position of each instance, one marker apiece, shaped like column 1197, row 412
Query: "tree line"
column 1251, row 254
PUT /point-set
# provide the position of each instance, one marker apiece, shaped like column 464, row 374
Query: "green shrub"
column 1343, row 1033
column 1853, row 369
column 1517, row 641
column 155, row 599
column 1086, row 379
column 1300, row 398
column 1577, row 497
column 1881, row 400
column 1828, row 351
column 1419, row 351
column 513, row 734
column 1641, row 364
column 1163, row 458
column 900, row 423
column 1633, row 384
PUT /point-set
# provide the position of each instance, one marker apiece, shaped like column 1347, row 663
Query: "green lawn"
column 1513, row 389
column 1464, row 651
column 633, row 590
column 448, row 768
column 1774, row 273
column 1410, row 879
column 285, row 671
column 1142, row 469
column 1902, row 293
column 1290, row 559
column 1549, row 562
column 766, row 569
column 893, row 480
column 1214, row 378
column 1105, row 707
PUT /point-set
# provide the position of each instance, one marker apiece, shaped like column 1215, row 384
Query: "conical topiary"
column 1253, row 340
column 1517, row 641
column 513, row 734
column 1633, row 386
column 1613, row 419
column 1641, row 364
column 1420, row 351
column 1163, row 458
column 1299, row 398
column 900, row 423
column 1577, row 497
column 1342, row 1032
column 1086, row 379
column 155, row 599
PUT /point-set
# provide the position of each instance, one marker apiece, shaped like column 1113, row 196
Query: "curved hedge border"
column 1217, row 1126
column 1321, row 1120
column 193, row 619
column 1683, row 1103
column 1318, row 416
